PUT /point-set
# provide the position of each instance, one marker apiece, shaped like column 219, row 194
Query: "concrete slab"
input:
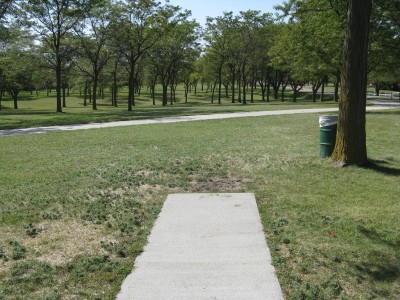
column 205, row 246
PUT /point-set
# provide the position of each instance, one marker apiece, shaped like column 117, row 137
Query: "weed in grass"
column 53, row 214
column 332, row 287
column 31, row 230
column 18, row 251
column 28, row 276
column 307, row 291
column 53, row 295
column 114, row 248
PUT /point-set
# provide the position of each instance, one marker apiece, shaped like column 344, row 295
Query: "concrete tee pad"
column 205, row 246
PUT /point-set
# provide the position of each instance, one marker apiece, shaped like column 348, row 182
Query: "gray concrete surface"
column 205, row 246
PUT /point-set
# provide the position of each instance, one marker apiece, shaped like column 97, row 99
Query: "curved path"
column 379, row 105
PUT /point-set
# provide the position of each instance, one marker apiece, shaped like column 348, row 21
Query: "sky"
column 213, row 8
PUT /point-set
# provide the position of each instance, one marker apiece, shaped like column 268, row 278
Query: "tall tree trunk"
column 85, row 93
column 171, row 94
column 252, row 92
column 315, row 87
column 64, row 103
column 284, row 85
column 58, row 85
column 244, row 85
column 165, row 94
column 219, row 83
column 131, row 87
column 186, row 87
column 14, row 94
column 377, row 88
column 350, row 147
column 153, row 93
column 336, row 94
column 239, row 84
column 322, row 90
column 94, row 95
column 115, row 88
column 213, row 92
column 233, row 84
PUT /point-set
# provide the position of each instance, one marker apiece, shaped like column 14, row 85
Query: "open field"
column 34, row 112
column 76, row 207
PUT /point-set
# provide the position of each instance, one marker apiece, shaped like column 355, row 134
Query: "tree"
column 4, row 7
column 93, row 36
column 175, row 51
column 219, row 34
column 316, row 39
column 350, row 147
column 53, row 20
column 383, row 57
column 18, row 71
column 137, row 26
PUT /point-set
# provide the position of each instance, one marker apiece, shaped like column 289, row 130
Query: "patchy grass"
column 76, row 207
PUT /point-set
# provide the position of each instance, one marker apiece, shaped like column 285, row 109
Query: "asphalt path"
column 378, row 105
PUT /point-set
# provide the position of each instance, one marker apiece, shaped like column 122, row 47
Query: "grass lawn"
column 34, row 112
column 76, row 207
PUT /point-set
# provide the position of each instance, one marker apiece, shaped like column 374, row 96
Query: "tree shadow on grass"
column 382, row 166
column 380, row 271
column 385, row 268
column 384, row 112
column 378, row 238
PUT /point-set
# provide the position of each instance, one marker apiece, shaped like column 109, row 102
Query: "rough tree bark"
column 350, row 147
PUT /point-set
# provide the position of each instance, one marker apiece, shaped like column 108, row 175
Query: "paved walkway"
column 379, row 105
column 205, row 246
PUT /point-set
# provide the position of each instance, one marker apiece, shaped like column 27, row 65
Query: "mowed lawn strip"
column 76, row 207
column 40, row 111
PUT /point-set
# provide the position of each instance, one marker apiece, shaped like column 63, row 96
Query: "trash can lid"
column 325, row 121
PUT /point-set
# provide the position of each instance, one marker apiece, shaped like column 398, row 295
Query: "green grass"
column 76, row 207
column 35, row 112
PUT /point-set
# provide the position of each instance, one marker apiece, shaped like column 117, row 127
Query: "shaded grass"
column 333, row 232
column 35, row 112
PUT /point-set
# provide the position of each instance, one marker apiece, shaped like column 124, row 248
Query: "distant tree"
column 53, row 20
column 93, row 36
column 136, row 27
column 18, row 70
column 176, row 49
column 383, row 57
column 218, row 34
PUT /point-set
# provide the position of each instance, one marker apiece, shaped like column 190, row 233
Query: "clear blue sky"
column 213, row 8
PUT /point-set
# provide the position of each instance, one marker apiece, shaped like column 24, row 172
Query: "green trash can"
column 327, row 136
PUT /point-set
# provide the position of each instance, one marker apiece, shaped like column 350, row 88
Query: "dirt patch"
column 220, row 184
column 59, row 241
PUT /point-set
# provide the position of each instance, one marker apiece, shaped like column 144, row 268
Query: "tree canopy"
column 92, row 43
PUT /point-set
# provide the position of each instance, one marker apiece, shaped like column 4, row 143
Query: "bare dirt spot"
column 59, row 241
column 220, row 184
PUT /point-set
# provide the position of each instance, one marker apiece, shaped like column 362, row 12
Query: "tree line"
column 90, row 44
